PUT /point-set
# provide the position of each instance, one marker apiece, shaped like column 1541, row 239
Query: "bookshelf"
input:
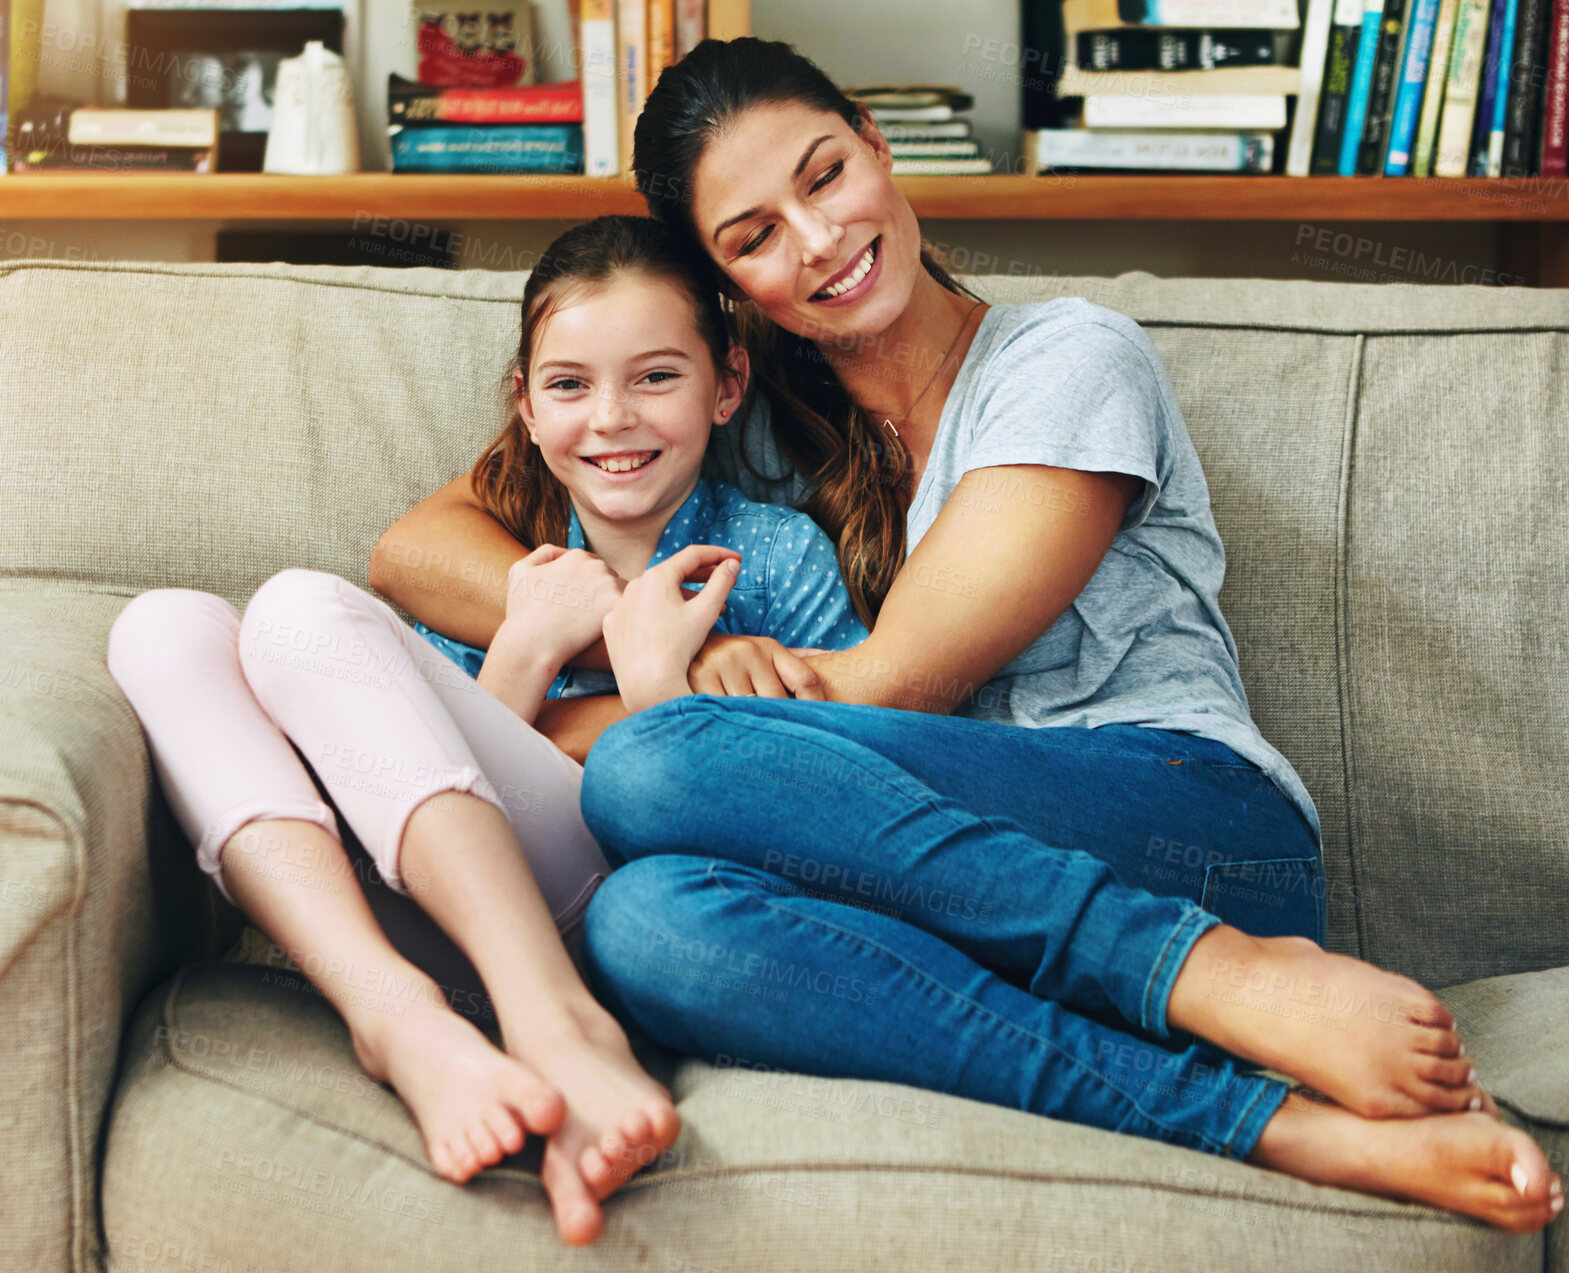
column 1531, row 214
column 1061, row 197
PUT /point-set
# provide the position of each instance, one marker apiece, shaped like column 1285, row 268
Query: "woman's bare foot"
column 1469, row 1162
column 618, row 1118
column 1374, row 1042
column 472, row 1102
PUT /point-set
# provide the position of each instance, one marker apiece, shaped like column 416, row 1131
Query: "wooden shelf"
column 236, row 197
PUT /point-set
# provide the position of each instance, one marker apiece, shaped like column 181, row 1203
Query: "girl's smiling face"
column 801, row 212
column 621, row 393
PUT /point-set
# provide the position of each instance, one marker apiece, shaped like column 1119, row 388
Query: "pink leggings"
column 383, row 718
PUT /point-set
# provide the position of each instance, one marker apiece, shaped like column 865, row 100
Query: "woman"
column 952, row 901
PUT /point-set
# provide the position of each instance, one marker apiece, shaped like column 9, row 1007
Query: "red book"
column 411, row 103
column 1555, row 111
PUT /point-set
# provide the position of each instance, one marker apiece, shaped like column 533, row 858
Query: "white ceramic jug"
column 313, row 130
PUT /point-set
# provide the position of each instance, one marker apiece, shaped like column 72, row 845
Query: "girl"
column 624, row 365
column 1024, row 523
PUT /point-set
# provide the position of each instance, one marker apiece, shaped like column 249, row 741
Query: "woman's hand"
column 653, row 630
column 737, row 666
column 557, row 600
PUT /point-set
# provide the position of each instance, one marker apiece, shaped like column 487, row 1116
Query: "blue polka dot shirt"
column 789, row 587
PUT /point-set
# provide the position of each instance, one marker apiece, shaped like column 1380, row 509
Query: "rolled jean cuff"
column 221, row 831
column 1266, row 1101
column 1194, row 923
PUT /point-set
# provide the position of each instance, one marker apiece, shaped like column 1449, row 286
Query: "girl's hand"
column 737, row 666
column 653, row 630
column 557, row 600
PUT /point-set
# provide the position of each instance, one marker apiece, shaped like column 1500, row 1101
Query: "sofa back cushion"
column 1386, row 466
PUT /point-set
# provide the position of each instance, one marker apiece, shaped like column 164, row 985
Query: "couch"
column 1389, row 468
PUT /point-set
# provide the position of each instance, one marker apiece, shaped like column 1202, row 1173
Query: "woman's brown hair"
column 854, row 470
column 511, row 478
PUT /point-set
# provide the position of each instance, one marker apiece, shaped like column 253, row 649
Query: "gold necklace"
column 952, row 345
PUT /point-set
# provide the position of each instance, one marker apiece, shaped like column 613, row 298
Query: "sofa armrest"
column 88, row 917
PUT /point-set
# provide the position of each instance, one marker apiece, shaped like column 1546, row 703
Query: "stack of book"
column 55, row 136
column 924, row 130
column 1434, row 88
column 527, row 128
column 1173, row 85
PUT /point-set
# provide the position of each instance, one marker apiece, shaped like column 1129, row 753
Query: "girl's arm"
column 988, row 578
column 445, row 561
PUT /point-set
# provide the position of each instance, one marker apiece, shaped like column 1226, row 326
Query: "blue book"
column 1361, row 89
column 1482, row 127
column 1493, row 159
column 1413, row 78
column 512, row 148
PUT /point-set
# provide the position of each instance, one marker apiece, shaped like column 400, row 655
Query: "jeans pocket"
column 1268, row 897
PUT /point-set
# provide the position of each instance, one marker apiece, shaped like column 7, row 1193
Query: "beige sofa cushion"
column 246, row 1135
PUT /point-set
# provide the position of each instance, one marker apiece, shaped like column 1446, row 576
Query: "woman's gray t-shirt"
column 1071, row 384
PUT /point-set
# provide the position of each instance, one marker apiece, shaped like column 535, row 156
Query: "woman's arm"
column 1008, row 553
column 445, row 561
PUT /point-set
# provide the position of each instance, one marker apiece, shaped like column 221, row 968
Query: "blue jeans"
column 980, row 909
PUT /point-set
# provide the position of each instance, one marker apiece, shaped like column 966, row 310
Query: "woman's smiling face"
column 800, row 211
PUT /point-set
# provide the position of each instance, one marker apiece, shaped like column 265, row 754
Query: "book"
column 460, row 44
column 1461, row 89
column 601, row 106
column 1079, row 149
column 1487, row 91
column 1374, row 18
column 1381, row 98
column 925, row 132
column 1409, row 85
column 691, row 26
column 910, row 114
column 1492, row 162
column 631, row 72
column 1522, row 119
column 661, row 38
column 1243, row 114
column 500, row 148
column 942, row 167
column 101, row 126
column 99, row 159
column 1232, row 81
column 1159, row 49
column 1555, row 96
column 1315, row 51
column 911, row 96
column 1098, row 15
column 1344, row 33
column 1433, row 94
column 948, row 148
column 419, row 104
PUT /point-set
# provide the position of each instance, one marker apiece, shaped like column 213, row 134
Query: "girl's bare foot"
column 1470, row 1162
column 1375, row 1042
column 472, row 1102
column 618, row 1118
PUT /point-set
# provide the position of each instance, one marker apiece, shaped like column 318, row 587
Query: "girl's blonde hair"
column 855, row 470
column 511, row 478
